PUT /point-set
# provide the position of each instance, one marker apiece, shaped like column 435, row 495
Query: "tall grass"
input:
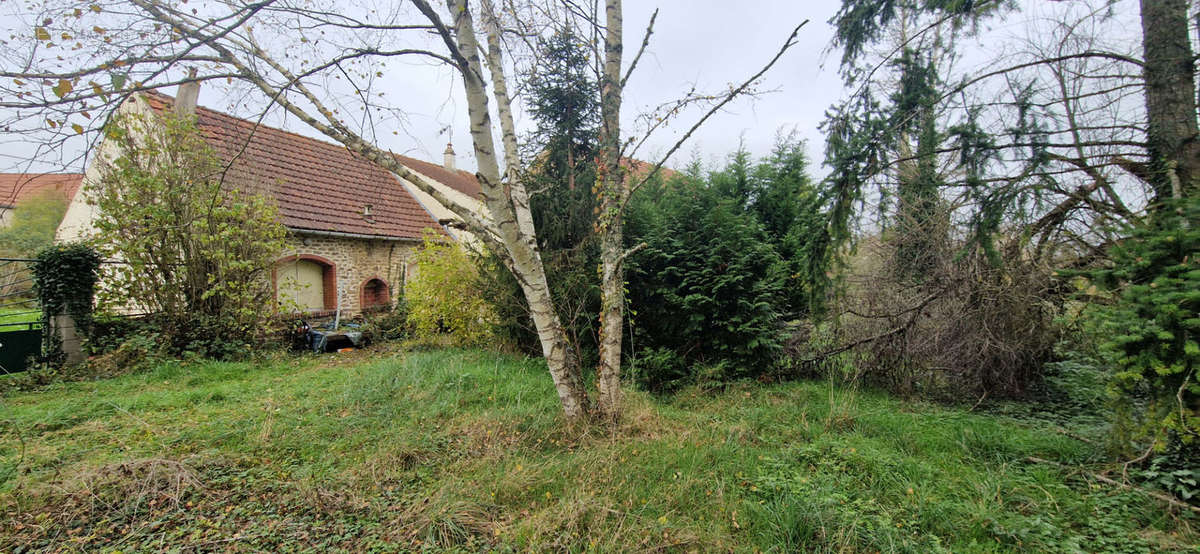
column 465, row 450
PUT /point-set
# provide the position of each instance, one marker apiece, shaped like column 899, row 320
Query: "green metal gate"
column 20, row 316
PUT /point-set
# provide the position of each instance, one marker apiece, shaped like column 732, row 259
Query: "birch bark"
column 613, row 193
column 508, row 203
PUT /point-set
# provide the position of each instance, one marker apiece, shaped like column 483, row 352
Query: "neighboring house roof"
column 459, row 180
column 639, row 168
column 318, row 186
column 18, row 187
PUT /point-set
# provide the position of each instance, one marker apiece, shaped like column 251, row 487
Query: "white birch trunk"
column 510, row 212
column 613, row 194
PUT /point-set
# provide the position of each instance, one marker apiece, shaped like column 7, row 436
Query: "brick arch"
column 374, row 298
column 328, row 277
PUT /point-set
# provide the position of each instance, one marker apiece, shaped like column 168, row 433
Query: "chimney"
column 448, row 161
column 189, row 94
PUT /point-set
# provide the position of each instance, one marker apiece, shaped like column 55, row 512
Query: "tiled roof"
column 459, row 180
column 318, row 186
column 18, row 187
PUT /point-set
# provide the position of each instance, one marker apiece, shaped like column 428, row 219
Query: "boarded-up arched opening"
column 308, row 281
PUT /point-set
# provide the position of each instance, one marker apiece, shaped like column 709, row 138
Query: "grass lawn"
column 466, row 451
column 20, row 313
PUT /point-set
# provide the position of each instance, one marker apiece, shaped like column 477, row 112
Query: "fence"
column 20, row 316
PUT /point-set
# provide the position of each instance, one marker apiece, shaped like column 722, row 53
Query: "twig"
column 980, row 401
column 1169, row 499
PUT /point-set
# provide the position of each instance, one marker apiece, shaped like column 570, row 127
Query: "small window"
column 375, row 294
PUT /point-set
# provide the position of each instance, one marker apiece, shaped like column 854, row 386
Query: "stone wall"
column 353, row 262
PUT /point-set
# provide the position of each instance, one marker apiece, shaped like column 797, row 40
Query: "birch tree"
column 619, row 174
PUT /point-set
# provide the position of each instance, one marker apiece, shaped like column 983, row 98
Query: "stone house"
column 353, row 226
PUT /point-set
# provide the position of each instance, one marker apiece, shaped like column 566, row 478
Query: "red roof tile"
column 317, row 185
column 18, row 187
column 459, row 180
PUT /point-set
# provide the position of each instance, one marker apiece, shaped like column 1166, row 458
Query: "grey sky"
column 711, row 44
column 707, row 43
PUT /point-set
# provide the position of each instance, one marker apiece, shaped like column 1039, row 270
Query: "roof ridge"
column 220, row 113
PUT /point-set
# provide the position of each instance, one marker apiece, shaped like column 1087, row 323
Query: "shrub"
column 444, row 297
column 1144, row 318
column 391, row 323
column 965, row 327
column 707, row 286
column 195, row 253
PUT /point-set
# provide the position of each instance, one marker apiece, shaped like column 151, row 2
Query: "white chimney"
column 188, row 96
column 448, row 160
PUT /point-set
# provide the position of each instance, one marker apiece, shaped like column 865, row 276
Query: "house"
column 353, row 226
column 16, row 188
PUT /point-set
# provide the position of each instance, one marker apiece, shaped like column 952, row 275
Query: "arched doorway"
column 310, row 282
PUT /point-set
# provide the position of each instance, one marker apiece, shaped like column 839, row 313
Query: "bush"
column 389, row 324
column 1144, row 317
column 195, row 253
column 964, row 327
column 708, row 286
column 444, row 298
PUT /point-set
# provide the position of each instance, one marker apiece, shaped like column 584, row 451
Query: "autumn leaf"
column 77, row 128
column 95, row 8
column 98, row 30
column 63, row 88
column 41, row 33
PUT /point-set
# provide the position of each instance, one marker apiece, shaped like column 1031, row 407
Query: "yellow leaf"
column 63, row 88
column 41, row 33
column 98, row 30
column 95, row 8
column 77, row 128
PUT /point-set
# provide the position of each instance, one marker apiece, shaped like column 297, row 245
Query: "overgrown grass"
column 465, row 450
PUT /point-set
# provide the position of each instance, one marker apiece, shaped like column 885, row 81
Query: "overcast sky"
column 707, row 43
column 710, row 44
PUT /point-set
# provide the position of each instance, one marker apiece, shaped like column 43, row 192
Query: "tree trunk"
column 509, row 208
column 1170, row 99
column 613, row 192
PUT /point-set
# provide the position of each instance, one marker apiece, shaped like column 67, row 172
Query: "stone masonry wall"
column 354, row 262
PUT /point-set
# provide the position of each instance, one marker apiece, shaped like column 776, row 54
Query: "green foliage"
column 196, row 252
column 64, row 280
column 730, row 257
column 1149, row 327
column 709, row 285
column 444, row 298
column 861, row 23
column 34, row 222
